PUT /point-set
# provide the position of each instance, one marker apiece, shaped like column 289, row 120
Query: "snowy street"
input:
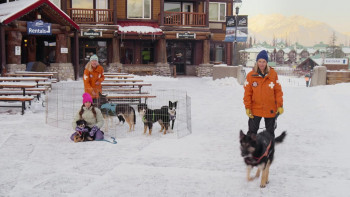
column 40, row 160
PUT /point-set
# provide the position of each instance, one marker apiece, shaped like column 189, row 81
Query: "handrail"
column 184, row 19
column 91, row 16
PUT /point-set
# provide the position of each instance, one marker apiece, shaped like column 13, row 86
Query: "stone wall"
column 204, row 70
column 12, row 68
column 162, row 69
column 65, row 70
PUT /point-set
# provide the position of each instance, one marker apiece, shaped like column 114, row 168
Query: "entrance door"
column 187, row 18
column 179, row 55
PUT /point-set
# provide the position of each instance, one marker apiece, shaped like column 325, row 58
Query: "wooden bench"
column 129, row 98
column 10, row 99
column 19, row 92
column 141, row 72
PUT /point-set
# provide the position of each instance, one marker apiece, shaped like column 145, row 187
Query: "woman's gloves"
column 280, row 110
column 249, row 113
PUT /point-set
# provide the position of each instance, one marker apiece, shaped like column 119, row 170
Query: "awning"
column 136, row 27
column 16, row 9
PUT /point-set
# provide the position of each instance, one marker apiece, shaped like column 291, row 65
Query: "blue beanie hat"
column 94, row 57
column 263, row 55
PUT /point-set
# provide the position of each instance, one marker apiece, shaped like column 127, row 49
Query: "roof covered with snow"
column 16, row 9
column 132, row 27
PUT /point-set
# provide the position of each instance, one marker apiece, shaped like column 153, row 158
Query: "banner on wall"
column 242, row 28
column 38, row 27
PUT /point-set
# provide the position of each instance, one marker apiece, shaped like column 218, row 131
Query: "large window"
column 88, row 4
column 172, row 7
column 139, row 9
column 217, row 12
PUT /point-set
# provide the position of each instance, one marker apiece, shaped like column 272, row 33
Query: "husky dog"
column 150, row 116
column 258, row 150
column 82, row 132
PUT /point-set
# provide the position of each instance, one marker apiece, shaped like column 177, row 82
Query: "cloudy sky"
column 335, row 13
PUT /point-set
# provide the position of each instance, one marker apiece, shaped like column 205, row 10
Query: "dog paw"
column 262, row 186
column 250, row 178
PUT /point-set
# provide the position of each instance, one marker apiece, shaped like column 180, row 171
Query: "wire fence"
column 65, row 100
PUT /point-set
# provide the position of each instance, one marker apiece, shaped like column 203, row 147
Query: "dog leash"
column 112, row 142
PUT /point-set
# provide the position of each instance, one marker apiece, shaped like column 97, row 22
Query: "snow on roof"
column 346, row 50
column 9, row 9
column 311, row 50
column 139, row 29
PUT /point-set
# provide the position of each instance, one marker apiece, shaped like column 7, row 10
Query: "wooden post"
column 61, row 42
column 206, row 51
column 207, row 13
column 2, row 49
column 115, row 12
column 76, row 53
column 115, row 49
column 161, row 51
column 161, row 12
column 14, row 39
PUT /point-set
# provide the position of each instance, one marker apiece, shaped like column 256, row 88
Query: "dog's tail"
column 280, row 138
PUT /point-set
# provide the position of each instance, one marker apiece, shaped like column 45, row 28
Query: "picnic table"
column 139, row 85
column 22, row 85
column 123, row 80
column 19, row 79
column 27, row 74
column 119, row 76
column 108, row 73
column 129, row 97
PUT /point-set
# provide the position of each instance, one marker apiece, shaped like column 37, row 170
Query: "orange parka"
column 90, row 79
column 263, row 95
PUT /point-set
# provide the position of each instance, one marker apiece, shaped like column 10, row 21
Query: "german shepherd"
column 150, row 116
column 82, row 136
column 258, row 150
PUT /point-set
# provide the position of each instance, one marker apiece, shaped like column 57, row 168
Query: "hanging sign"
column 241, row 26
column 91, row 33
column 186, row 35
column 38, row 27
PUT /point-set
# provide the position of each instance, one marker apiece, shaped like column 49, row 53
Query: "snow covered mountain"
column 293, row 29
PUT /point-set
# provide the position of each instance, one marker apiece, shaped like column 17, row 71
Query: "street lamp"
column 237, row 4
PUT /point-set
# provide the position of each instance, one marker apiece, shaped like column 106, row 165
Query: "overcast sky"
column 335, row 13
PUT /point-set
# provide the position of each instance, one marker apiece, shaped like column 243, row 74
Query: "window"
column 217, row 11
column 139, row 9
column 172, row 7
column 217, row 53
column 88, row 4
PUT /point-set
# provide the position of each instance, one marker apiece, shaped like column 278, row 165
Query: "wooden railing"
column 91, row 16
column 184, row 19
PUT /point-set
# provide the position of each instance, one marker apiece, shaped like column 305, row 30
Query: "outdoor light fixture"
column 237, row 4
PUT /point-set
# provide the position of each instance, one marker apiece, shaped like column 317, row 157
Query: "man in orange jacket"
column 93, row 77
column 263, row 96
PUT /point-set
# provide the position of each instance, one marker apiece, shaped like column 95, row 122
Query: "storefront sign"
column 91, row 33
column 17, row 50
column 186, row 35
column 64, row 50
column 38, row 27
column 335, row 61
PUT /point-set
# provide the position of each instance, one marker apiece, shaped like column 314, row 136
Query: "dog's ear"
column 241, row 135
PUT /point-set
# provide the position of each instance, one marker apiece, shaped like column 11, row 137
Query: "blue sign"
column 38, row 27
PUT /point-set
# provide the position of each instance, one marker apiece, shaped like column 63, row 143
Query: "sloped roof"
column 17, row 9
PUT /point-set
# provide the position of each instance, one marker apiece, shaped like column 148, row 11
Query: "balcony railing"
column 184, row 19
column 91, row 16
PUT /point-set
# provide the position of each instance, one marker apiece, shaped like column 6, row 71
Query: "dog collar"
column 256, row 160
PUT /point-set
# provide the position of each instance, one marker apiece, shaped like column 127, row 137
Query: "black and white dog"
column 172, row 112
column 150, row 116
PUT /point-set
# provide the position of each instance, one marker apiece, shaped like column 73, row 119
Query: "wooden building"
column 33, row 31
column 149, row 35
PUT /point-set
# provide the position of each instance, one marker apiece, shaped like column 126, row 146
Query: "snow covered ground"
column 40, row 160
